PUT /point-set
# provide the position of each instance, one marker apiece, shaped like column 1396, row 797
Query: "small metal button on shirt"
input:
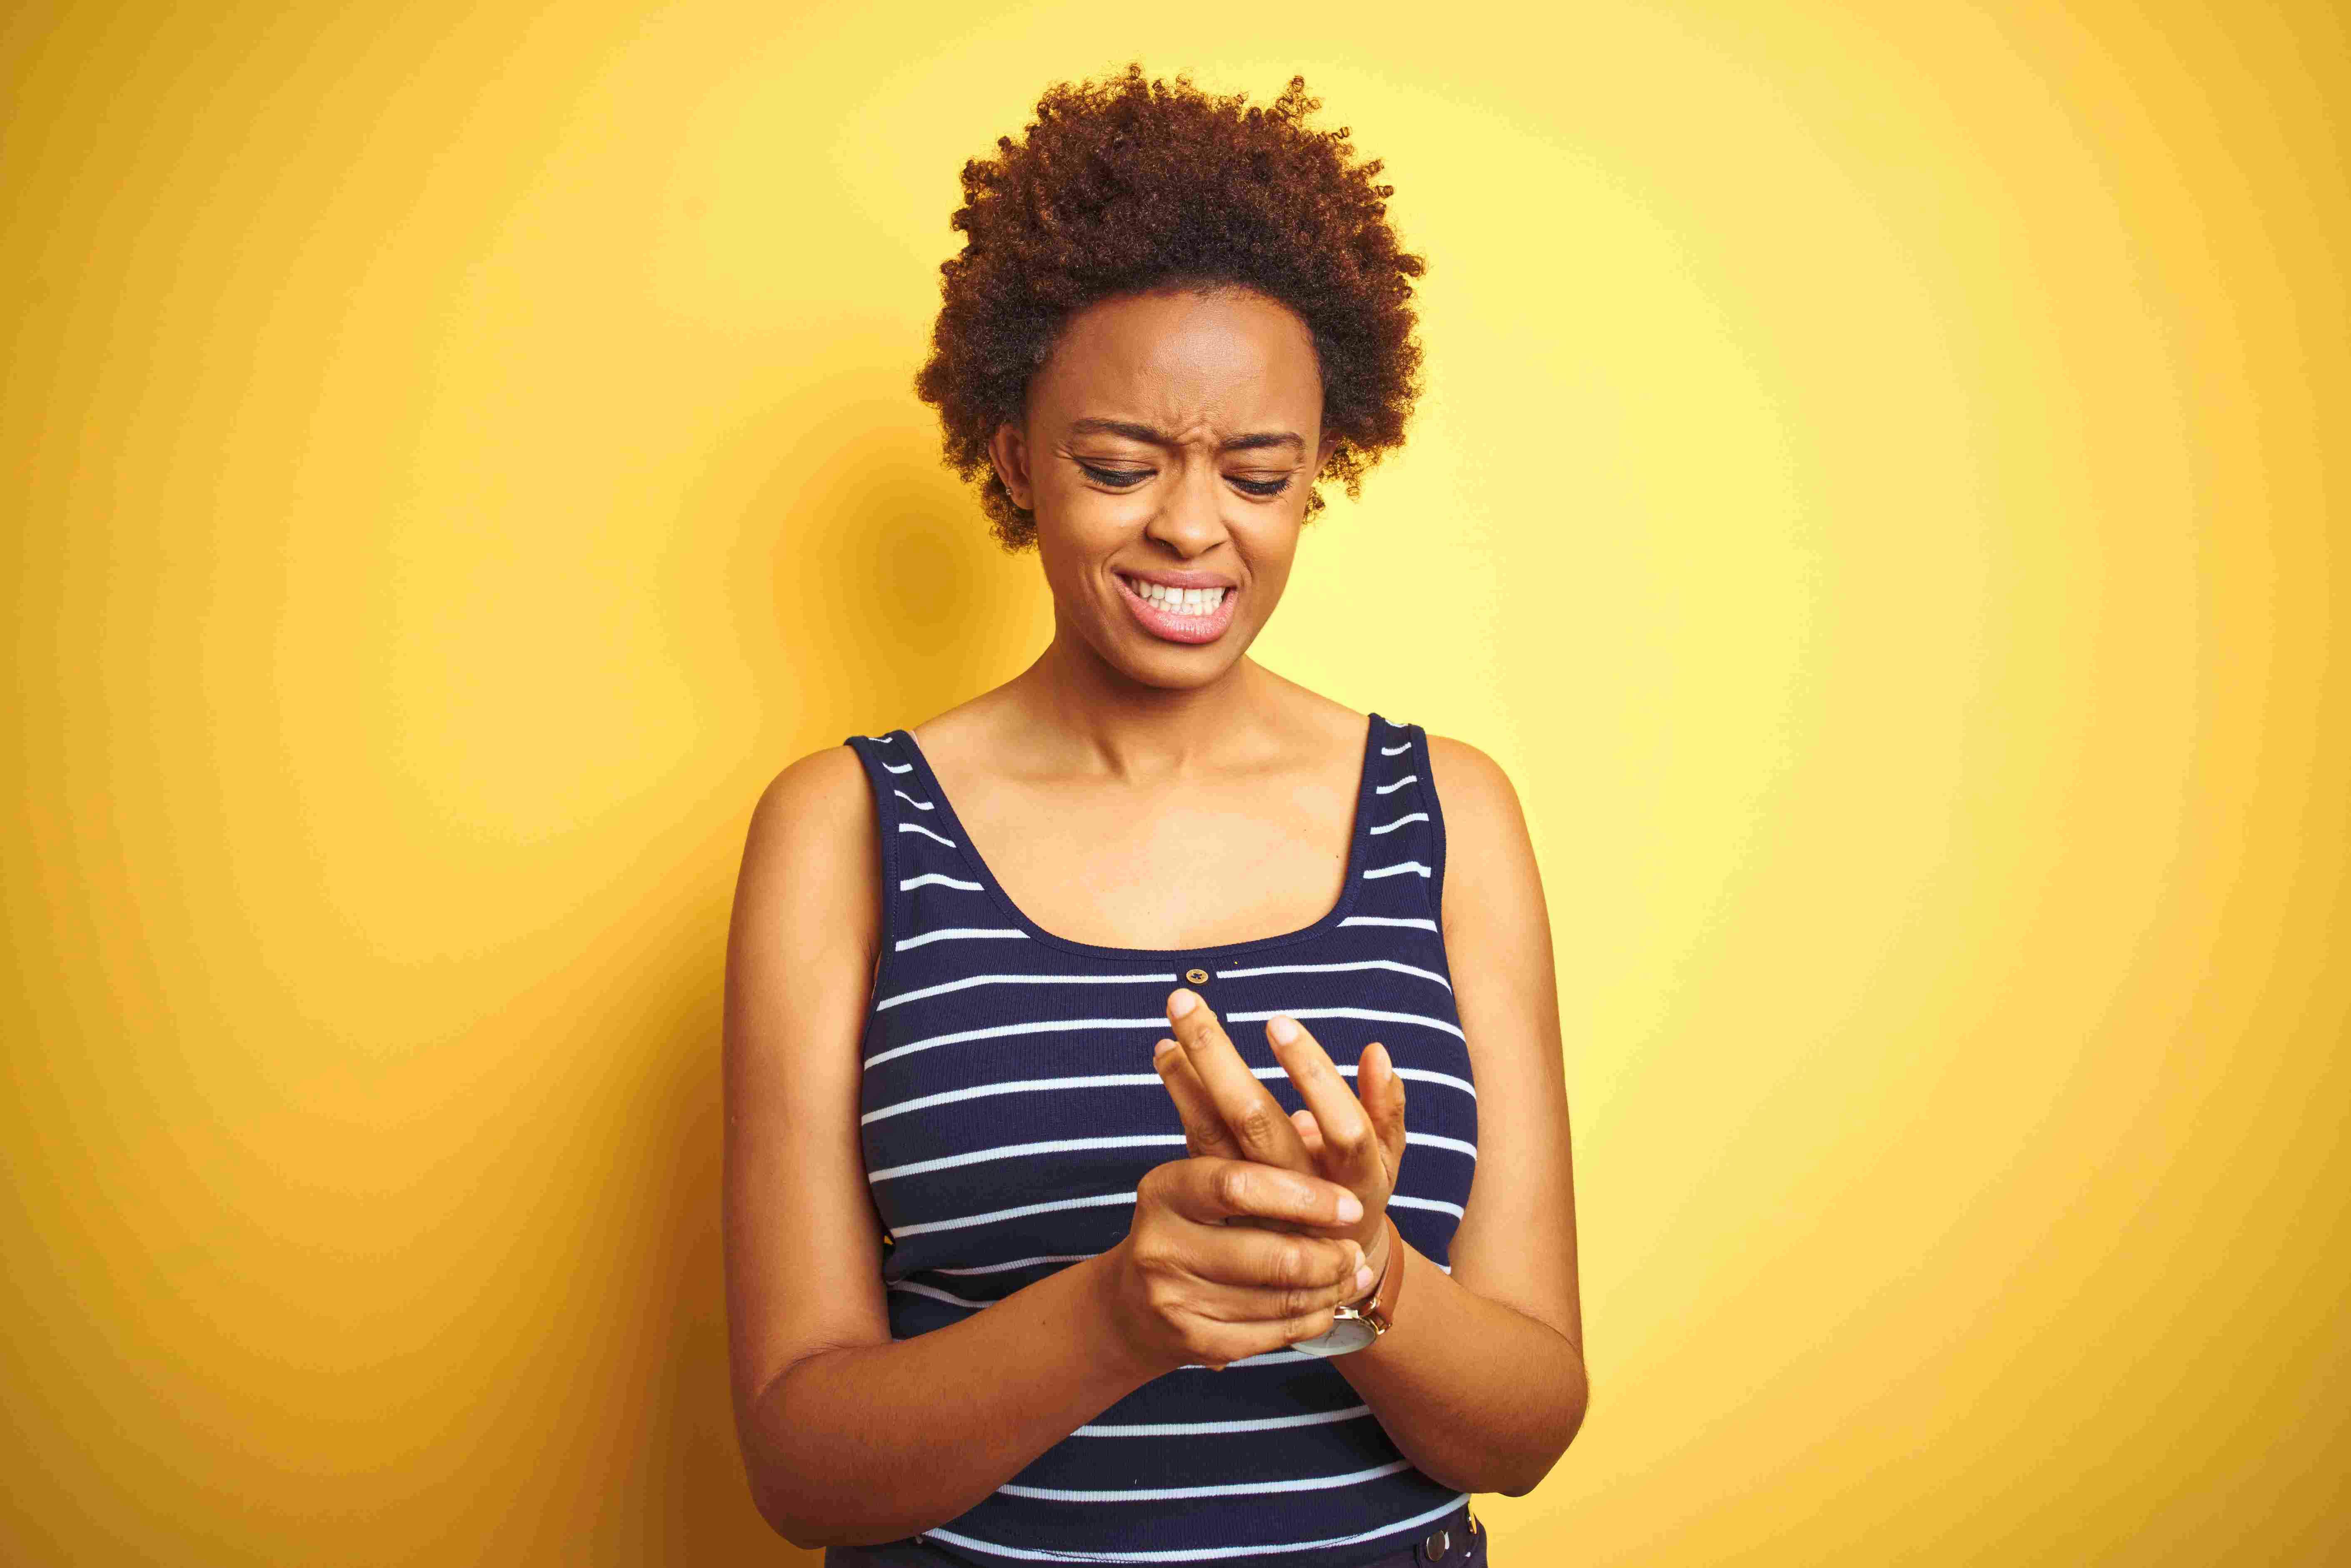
column 1196, row 977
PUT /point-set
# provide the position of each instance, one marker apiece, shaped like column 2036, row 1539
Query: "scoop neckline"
column 1018, row 916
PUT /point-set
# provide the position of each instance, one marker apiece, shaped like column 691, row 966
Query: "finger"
column 1272, row 1303
column 1205, row 1132
column 1255, row 1118
column 1310, row 1132
column 1352, row 1151
column 1382, row 1091
column 1209, row 1191
column 1250, row 1257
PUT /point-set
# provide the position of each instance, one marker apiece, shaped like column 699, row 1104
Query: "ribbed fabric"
column 1009, row 1107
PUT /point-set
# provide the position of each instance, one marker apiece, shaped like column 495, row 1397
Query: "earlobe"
column 1008, row 450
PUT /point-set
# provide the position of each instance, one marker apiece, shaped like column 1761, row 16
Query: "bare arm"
column 1481, row 1382
column 851, row 1437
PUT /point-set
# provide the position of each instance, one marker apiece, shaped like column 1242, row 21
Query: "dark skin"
column 1131, row 790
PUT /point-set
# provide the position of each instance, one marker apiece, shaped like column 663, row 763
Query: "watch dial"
column 1346, row 1334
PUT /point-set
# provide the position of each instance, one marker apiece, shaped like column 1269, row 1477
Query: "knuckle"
column 1202, row 1133
column 1233, row 1184
column 1255, row 1124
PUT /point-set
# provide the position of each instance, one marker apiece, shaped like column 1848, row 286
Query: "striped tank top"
column 1008, row 1107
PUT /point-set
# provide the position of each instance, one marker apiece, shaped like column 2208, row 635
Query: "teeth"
column 1180, row 601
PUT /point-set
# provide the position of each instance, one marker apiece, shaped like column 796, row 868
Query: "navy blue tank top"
column 1009, row 1108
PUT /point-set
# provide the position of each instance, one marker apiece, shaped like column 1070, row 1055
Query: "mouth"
column 1179, row 614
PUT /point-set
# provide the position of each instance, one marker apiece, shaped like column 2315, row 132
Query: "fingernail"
column 1351, row 1208
column 1363, row 1277
column 1283, row 1030
column 1181, row 1004
column 1161, row 1050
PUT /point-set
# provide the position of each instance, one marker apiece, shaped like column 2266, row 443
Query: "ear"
column 1323, row 454
column 1008, row 450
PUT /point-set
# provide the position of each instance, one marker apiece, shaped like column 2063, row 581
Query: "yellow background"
column 1880, row 495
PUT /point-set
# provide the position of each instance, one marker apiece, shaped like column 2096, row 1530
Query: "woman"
column 1055, row 1226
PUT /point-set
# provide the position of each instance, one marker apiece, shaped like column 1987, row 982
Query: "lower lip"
column 1173, row 628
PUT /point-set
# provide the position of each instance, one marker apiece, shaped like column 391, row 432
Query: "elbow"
column 779, row 1504
column 1567, row 1420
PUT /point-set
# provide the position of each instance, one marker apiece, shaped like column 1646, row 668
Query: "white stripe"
column 994, row 1031
column 918, row 805
column 898, row 767
column 1194, row 1429
column 884, row 739
column 952, row 934
column 992, row 1216
column 918, row 827
column 1267, row 1359
column 940, row 879
column 1396, row 750
column 1234, row 1489
column 1400, row 821
column 1025, row 979
column 1197, row 1554
column 1398, row 785
column 949, row 1297
column 1025, row 1086
column 1371, row 1013
column 1320, row 968
column 1018, row 1264
column 1396, row 870
column 1122, row 1080
column 1012, row 1151
column 1398, row 1200
column 1415, row 920
column 1424, row 1075
column 1438, row 1141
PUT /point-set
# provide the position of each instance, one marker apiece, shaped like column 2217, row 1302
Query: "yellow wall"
column 1874, row 496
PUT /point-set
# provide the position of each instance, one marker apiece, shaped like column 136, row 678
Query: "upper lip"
column 1178, row 579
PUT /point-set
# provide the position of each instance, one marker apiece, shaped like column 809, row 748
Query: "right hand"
column 1199, row 1280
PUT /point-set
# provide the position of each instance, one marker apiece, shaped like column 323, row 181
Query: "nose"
column 1191, row 521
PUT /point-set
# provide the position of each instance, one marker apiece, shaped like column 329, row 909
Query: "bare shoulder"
column 1491, row 880
column 809, row 857
column 1466, row 777
column 818, row 805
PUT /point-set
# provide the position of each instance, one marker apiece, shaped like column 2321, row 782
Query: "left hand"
column 1354, row 1139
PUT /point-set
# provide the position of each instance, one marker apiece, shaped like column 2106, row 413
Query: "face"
column 1167, row 450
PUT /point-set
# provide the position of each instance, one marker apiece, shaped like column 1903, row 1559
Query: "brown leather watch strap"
column 1381, row 1308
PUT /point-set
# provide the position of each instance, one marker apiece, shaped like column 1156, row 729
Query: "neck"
column 1092, row 716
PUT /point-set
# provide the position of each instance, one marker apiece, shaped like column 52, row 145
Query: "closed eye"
column 1120, row 477
column 1127, row 478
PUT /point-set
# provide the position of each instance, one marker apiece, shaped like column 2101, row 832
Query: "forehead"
column 1177, row 357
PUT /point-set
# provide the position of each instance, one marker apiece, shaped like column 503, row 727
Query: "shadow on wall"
column 871, row 567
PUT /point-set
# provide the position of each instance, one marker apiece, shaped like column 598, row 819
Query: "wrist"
column 1381, row 1256
column 1103, row 1279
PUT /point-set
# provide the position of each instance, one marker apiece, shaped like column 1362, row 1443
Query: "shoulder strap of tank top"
column 1404, row 852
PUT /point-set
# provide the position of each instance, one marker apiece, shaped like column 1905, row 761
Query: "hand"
column 1357, row 1142
column 1188, row 1285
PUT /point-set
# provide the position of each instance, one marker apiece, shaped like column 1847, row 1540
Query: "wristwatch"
column 1354, row 1327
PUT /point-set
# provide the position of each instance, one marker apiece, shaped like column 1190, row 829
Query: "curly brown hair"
column 1126, row 184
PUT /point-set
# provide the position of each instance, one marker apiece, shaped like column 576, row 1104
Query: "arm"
column 848, row 1436
column 1481, row 1382
column 851, row 1437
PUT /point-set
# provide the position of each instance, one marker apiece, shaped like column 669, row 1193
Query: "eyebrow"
column 1255, row 441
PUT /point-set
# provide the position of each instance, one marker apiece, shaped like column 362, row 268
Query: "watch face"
column 1346, row 1334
